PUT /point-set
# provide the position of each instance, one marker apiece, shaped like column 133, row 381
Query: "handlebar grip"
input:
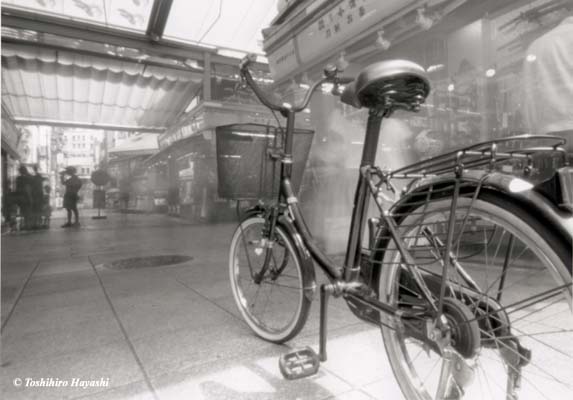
column 248, row 59
column 344, row 80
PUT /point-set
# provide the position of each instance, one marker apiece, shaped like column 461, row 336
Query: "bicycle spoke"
column 529, row 372
column 498, row 385
column 272, row 305
column 506, row 347
column 537, row 311
column 504, row 264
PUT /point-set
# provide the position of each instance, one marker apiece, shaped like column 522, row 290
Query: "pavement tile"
column 50, row 267
column 365, row 363
column 112, row 361
column 176, row 350
column 132, row 391
column 31, row 315
column 58, row 338
column 148, row 314
column 59, row 283
column 13, row 281
column 384, row 389
column 251, row 377
column 352, row 395
column 181, row 320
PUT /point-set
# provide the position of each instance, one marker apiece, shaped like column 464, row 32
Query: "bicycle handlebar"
column 330, row 76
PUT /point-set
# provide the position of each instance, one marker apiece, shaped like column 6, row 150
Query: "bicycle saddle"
column 390, row 85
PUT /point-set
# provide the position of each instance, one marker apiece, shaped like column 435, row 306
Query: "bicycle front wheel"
column 520, row 297
column 267, row 280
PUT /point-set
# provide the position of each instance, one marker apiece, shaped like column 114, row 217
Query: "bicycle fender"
column 511, row 187
column 307, row 264
column 251, row 211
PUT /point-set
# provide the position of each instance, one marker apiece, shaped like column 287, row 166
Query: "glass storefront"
column 497, row 69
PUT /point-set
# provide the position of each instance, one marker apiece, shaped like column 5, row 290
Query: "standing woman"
column 71, row 197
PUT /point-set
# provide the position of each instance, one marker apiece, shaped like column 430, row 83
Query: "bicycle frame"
column 346, row 279
column 350, row 271
column 351, row 266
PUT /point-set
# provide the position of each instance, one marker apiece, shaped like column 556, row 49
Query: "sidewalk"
column 167, row 332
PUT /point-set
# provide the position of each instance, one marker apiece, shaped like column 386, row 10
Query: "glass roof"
column 226, row 24
column 126, row 14
column 231, row 24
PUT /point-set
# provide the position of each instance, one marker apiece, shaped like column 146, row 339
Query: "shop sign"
column 283, row 60
column 196, row 124
column 186, row 173
column 341, row 24
column 330, row 31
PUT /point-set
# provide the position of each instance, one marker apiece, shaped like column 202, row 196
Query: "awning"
column 54, row 87
column 10, row 135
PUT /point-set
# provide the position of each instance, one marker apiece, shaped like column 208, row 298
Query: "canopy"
column 59, row 87
column 119, row 64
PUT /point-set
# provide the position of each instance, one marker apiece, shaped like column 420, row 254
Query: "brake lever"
column 336, row 90
column 340, row 84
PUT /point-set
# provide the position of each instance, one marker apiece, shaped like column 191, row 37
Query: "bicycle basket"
column 244, row 168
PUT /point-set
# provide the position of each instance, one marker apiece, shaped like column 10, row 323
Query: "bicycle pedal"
column 299, row 363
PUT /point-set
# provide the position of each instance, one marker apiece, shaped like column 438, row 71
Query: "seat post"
column 360, row 207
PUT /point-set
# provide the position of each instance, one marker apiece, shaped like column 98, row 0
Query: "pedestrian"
column 23, row 196
column 10, row 208
column 124, row 188
column 46, row 208
column 71, row 197
column 37, row 198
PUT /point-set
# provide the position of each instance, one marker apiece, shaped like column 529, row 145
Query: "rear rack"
column 491, row 154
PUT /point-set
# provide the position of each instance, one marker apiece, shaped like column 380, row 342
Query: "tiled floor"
column 169, row 332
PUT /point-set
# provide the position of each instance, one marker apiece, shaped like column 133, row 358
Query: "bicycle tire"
column 547, row 374
column 286, row 308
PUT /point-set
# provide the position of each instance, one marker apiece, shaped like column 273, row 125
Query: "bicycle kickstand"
column 303, row 362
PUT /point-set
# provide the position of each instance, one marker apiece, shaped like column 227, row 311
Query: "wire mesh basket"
column 245, row 169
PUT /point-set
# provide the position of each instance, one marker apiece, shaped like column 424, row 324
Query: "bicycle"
column 468, row 273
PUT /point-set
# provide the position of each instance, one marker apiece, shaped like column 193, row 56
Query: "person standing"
column 46, row 208
column 37, row 198
column 71, row 197
column 23, row 196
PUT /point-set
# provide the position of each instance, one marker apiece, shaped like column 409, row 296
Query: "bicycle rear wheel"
column 521, row 301
column 268, row 290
